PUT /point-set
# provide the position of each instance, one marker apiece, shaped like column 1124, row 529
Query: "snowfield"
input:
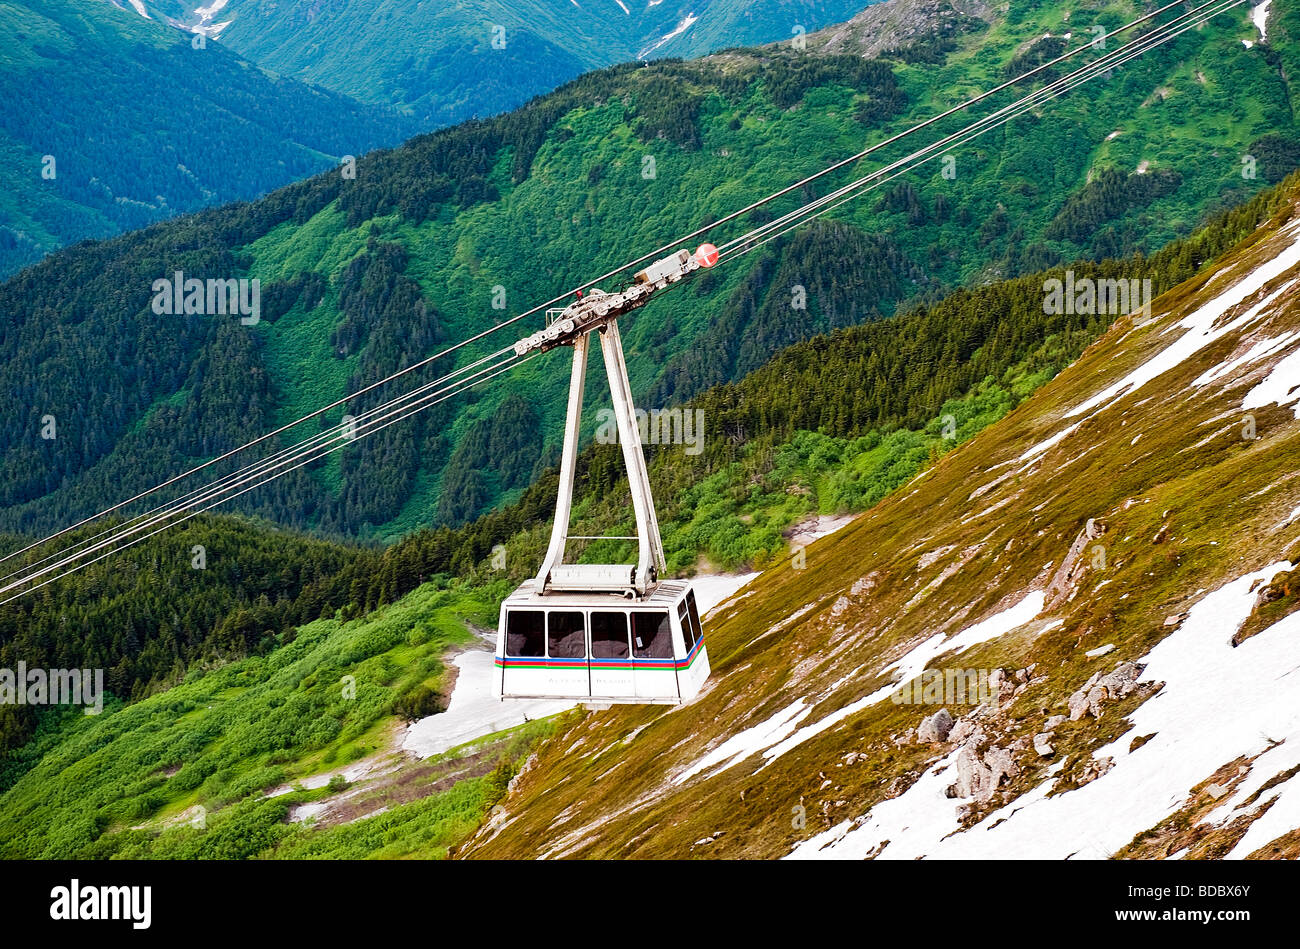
column 1205, row 325
column 914, row 663
column 1282, row 387
column 777, row 735
column 713, row 591
column 1218, row 702
column 748, row 742
column 1047, row 443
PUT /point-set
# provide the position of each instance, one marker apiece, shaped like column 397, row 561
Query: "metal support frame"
column 650, row 549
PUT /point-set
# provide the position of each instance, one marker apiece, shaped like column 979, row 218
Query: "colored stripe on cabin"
column 644, row 665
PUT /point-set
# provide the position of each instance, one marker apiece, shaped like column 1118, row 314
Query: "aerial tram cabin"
column 602, row 647
column 604, row 633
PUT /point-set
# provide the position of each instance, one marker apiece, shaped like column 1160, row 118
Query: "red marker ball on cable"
column 707, row 255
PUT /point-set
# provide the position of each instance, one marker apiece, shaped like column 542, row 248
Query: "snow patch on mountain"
column 1282, row 816
column 1259, row 16
column 1218, row 702
column 207, row 15
column 776, row 736
column 1205, row 325
column 1048, row 443
column 1249, row 796
column 713, row 591
column 686, row 23
column 750, row 741
column 1261, row 350
column 1281, row 387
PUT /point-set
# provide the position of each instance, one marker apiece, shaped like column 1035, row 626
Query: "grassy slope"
column 131, row 782
column 1188, row 507
column 229, row 733
column 217, row 720
column 820, row 467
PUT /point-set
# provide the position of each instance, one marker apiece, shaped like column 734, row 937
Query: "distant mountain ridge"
column 112, row 121
column 443, row 63
column 917, row 25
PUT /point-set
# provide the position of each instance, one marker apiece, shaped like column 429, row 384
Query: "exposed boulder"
column 973, row 776
column 1004, row 687
column 1063, row 583
column 1002, row 764
column 1121, row 681
column 962, row 730
column 906, row 738
column 1094, row 769
column 900, row 784
column 1100, row 689
column 1001, row 687
column 1097, row 696
column 936, row 728
column 978, row 778
column 1078, row 703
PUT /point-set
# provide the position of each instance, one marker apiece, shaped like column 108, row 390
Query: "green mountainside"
column 364, row 275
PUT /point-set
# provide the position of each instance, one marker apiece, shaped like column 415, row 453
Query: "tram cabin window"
column 688, row 634
column 525, row 633
column 609, row 636
column 566, row 635
column 652, row 636
column 694, row 615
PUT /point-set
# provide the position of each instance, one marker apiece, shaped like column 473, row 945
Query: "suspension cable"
column 618, row 270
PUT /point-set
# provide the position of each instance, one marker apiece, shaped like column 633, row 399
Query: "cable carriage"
column 608, row 633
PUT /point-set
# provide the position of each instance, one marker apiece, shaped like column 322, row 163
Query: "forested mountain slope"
column 1116, row 560
column 363, row 275
column 112, row 121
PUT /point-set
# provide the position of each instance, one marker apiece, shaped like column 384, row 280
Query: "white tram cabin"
column 602, row 647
